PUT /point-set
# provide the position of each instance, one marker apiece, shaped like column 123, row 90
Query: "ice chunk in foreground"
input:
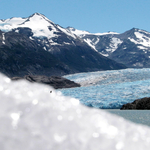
column 32, row 118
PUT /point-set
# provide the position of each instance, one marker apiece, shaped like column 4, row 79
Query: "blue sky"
column 90, row 15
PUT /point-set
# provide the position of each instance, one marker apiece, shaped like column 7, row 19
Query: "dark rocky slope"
column 22, row 55
column 141, row 104
column 54, row 81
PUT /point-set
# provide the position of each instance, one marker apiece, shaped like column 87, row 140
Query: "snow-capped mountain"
column 38, row 23
column 40, row 26
column 36, row 45
column 134, row 51
column 131, row 48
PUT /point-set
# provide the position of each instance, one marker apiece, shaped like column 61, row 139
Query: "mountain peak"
column 37, row 15
column 135, row 33
column 134, row 30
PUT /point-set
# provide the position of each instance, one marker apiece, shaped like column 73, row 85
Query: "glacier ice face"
column 110, row 89
column 33, row 118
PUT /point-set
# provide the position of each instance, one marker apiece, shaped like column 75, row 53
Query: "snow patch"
column 54, row 43
column 96, row 41
column 141, row 39
column 106, row 55
column 44, row 48
column 83, row 33
column 3, row 38
column 114, row 44
column 90, row 43
column 144, row 31
column 17, row 31
column 105, row 33
column 142, row 47
column 66, row 43
column 31, row 38
column 138, row 64
column 9, row 24
column 67, row 32
column 78, row 32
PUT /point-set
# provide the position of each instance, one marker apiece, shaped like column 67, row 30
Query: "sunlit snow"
column 78, row 32
column 3, row 37
column 39, row 26
column 105, row 33
column 32, row 118
column 90, row 43
column 38, row 23
column 141, row 39
column 67, row 32
column 9, row 24
column 83, row 33
column 114, row 44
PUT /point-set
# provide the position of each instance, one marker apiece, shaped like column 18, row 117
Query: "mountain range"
column 131, row 48
column 37, row 46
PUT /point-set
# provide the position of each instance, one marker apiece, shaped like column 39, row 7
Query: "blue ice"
column 110, row 89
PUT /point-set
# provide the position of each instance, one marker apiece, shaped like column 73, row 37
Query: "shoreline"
column 136, row 116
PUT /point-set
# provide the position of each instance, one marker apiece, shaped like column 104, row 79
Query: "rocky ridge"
column 54, row 81
column 131, row 48
column 140, row 104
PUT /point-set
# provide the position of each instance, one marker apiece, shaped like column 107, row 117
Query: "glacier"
column 110, row 89
column 32, row 117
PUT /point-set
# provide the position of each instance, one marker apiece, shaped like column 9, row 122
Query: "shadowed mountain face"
column 20, row 56
column 37, row 46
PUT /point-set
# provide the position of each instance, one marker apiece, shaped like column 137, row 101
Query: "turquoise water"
column 136, row 116
column 110, row 89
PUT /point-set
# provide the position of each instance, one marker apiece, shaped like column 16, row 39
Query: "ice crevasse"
column 33, row 118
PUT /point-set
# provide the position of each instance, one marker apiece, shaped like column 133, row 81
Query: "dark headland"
column 54, row 81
